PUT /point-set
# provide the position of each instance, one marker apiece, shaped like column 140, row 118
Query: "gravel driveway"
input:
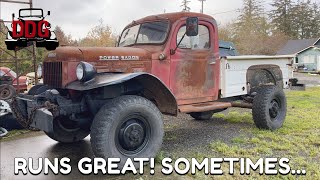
column 308, row 79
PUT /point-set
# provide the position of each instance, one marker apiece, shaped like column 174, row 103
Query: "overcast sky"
column 77, row 17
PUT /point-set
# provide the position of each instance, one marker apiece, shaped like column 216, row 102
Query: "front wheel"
column 127, row 127
column 269, row 108
column 67, row 131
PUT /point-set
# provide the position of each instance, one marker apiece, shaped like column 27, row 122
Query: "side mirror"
column 192, row 26
column 49, row 13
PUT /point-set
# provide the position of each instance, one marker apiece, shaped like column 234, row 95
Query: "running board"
column 210, row 106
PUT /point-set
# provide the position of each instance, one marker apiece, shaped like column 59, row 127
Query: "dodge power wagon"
column 163, row 64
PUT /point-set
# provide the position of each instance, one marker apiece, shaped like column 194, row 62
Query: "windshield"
column 147, row 33
column 31, row 13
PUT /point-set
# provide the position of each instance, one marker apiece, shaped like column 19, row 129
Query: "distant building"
column 307, row 52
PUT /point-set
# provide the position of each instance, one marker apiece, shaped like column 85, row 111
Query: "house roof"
column 296, row 46
column 227, row 49
column 315, row 46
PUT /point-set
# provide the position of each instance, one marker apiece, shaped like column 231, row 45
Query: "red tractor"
column 10, row 83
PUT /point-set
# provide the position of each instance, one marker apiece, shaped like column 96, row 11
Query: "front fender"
column 101, row 80
column 154, row 89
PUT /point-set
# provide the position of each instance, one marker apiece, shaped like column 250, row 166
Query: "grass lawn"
column 298, row 140
column 14, row 134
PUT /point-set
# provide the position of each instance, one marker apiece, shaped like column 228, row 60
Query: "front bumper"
column 33, row 112
column 40, row 111
column 43, row 120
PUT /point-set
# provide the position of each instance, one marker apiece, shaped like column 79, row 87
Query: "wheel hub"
column 5, row 93
column 274, row 109
column 132, row 136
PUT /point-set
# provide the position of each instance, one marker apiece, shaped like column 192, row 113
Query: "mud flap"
column 43, row 120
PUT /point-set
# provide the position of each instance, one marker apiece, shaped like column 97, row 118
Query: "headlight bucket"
column 85, row 71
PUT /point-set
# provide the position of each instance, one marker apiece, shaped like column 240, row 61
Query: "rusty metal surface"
column 71, row 56
column 203, row 107
column 157, row 91
column 242, row 105
column 193, row 76
column 189, row 74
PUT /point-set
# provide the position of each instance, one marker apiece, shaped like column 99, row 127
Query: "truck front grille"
column 52, row 74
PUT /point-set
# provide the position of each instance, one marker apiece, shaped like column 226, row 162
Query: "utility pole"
column 202, row 5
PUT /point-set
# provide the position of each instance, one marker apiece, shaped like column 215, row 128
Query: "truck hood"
column 94, row 54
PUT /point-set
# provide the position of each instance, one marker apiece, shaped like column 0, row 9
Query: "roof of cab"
column 172, row 17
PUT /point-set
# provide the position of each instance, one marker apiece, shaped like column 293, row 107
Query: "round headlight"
column 80, row 72
column 85, row 71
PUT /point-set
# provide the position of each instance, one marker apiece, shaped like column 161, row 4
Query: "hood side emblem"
column 113, row 58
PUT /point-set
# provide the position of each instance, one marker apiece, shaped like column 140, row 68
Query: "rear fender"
column 264, row 75
column 152, row 88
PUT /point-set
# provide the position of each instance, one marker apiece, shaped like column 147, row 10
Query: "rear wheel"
column 127, row 127
column 67, row 131
column 269, row 108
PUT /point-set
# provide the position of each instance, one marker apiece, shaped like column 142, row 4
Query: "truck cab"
column 163, row 64
column 183, row 63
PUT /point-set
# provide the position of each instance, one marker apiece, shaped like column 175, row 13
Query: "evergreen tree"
column 251, row 27
column 282, row 17
column 251, row 16
column 315, row 21
column 185, row 6
column 302, row 19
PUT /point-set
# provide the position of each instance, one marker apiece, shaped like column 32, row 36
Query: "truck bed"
column 234, row 69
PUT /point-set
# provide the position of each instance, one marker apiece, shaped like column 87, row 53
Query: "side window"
column 202, row 41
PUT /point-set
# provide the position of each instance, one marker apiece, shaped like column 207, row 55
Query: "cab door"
column 192, row 68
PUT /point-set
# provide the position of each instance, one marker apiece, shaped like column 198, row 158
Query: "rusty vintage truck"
column 163, row 64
